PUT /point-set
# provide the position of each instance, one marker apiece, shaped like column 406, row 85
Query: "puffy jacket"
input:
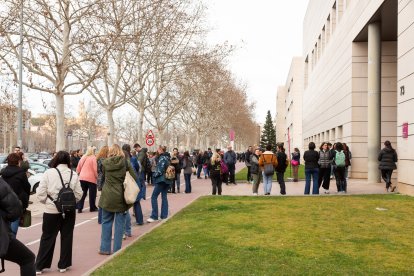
column 10, row 207
column 88, row 169
column 325, row 159
column 159, row 174
column 112, row 196
column 17, row 179
column 51, row 185
column 387, row 158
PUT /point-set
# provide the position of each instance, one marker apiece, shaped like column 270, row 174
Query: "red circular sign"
column 150, row 141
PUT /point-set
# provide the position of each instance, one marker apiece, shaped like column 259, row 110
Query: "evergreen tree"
column 268, row 133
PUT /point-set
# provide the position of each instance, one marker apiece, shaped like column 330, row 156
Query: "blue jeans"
column 206, row 171
column 139, row 217
column 162, row 189
column 127, row 229
column 108, row 218
column 267, row 183
column 143, row 190
column 99, row 215
column 14, row 225
column 314, row 173
column 187, row 178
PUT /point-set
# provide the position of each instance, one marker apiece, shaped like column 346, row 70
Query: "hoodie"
column 112, row 196
column 17, row 179
column 387, row 158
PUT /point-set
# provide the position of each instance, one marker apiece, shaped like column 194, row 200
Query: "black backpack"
column 66, row 200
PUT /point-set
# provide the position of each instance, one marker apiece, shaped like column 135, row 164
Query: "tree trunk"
column 141, row 110
column 197, row 143
column 5, row 126
column 60, row 122
column 160, row 140
column 111, row 125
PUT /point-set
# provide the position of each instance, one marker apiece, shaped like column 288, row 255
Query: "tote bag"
column 131, row 189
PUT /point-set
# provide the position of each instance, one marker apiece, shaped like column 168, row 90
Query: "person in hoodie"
column 162, row 185
column 112, row 202
column 16, row 177
column 387, row 159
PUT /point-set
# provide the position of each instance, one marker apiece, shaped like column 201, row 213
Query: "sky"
column 267, row 34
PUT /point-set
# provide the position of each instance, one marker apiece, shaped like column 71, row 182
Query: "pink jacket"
column 88, row 169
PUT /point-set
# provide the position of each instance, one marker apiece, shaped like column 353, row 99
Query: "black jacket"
column 387, row 158
column 10, row 207
column 311, row 158
column 17, row 179
column 281, row 161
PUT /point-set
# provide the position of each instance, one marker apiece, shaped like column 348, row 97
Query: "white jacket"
column 51, row 185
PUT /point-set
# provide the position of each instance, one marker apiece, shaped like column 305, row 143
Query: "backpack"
column 340, row 159
column 269, row 169
column 66, row 200
column 223, row 167
column 170, row 172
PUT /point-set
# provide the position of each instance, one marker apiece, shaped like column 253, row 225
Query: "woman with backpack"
column 162, row 183
column 268, row 163
column 281, row 167
column 48, row 192
column 255, row 170
column 188, row 170
column 324, row 167
column 387, row 159
column 311, row 158
column 12, row 249
column 88, row 173
column 338, row 158
column 112, row 201
column 295, row 164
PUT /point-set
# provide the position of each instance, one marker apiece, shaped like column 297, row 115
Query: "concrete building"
column 359, row 81
column 289, row 107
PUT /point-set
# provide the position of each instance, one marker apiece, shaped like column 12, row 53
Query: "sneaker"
column 39, row 272
column 104, row 253
column 149, row 220
column 124, row 237
column 62, row 270
column 326, row 191
column 255, row 194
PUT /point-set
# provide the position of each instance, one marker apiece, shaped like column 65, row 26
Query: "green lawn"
column 333, row 235
column 242, row 174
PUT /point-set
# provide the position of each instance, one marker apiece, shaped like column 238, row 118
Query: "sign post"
column 150, row 138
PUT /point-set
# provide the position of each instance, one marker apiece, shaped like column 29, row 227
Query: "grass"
column 242, row 174
column 331, row 235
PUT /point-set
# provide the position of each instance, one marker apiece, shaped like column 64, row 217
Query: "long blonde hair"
column 90, row 151
column 214, row 157
column 115, row 150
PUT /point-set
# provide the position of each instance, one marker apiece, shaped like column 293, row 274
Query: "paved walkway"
column 87, row 231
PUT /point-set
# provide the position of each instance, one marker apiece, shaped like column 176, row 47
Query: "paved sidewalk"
column 87, row 231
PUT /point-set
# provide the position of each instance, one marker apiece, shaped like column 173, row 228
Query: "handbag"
column 294, row 162
column 131, row 189
column 26, row 219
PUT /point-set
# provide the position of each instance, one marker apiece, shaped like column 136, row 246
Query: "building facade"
column 358, row 81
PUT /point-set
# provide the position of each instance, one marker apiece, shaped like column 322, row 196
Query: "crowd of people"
column 78, row 175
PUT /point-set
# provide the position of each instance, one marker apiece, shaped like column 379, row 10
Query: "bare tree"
column 60, row 37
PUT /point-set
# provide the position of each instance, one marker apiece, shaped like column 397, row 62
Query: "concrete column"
column 374, row 100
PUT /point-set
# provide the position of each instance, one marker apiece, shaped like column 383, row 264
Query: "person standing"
column 324, row 167
column 348, row 157
column 188, row 170
column 215, row 173
column 268, row 159
column 311, row 158
column 199, row 163
column 53, row 221
column 112, row 202
column 88, row 174
column 74, row 159
column 139, row 217
column 295, row 164
column 16, row 177
column 248, row 164
column 177, row 163
column 100, row 181
column 339, row 163
column 255, row 170
column 281, row 168
column 206, row 163
column 16, row 252
column 230, row 159
column 387, row 159
column 161, row 186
